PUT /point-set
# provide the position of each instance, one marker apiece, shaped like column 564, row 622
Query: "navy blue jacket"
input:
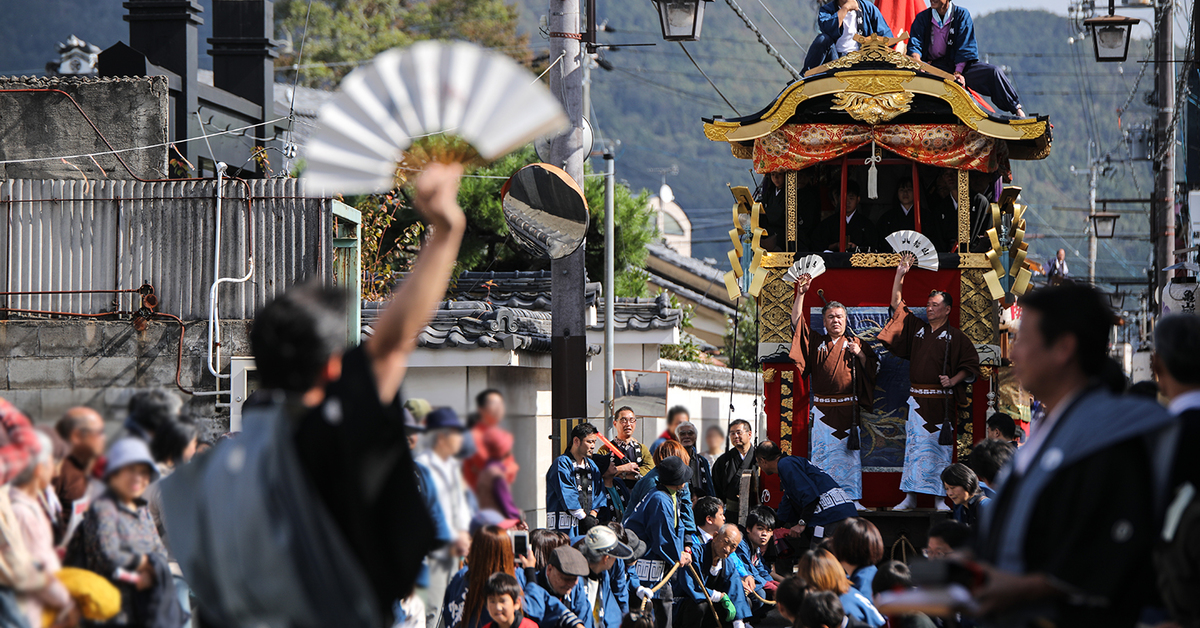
column 870, row 21
column 758, row 569
column 960, row 43
column 727, row 580
column 540, row 605
column 809, row 494
column 658, row 521
column 563, row 492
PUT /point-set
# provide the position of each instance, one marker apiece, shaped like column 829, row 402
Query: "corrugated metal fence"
column 114, row 235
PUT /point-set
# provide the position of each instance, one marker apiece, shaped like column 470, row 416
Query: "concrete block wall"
column 48, row 366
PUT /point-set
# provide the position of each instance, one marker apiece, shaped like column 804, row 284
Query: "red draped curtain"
column 797, row 146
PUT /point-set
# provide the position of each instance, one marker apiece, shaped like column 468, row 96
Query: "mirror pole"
column 568, row 354
column 609, row 282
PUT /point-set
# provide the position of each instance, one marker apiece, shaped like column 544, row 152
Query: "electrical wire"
column 136, row 148
column 803, row 50
column 763, row 40
column 710, row 81
column 296, row 82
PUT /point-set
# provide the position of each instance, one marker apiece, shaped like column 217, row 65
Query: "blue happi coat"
column 757, row 569
column 960, row 42
column 565, row 484
column 647, row 485
column 809, row 494
column 727, row 580
column 658, row 520
column 539, row 605
column 441, row 528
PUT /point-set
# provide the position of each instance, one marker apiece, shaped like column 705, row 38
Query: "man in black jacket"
column 1071, row 531
column 1176, row 364
column 727, row 471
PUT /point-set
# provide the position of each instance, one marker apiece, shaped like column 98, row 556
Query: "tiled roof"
column 523, row 289
column 476, row 324
column 692, row 295
column 641, row 314
column 690, row 264
column 711, row 377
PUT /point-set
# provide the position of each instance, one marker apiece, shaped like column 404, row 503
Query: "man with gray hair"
column 719, row 583
column 1176, row 364
column 842, row 371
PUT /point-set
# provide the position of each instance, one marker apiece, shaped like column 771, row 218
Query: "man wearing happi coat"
column 942, row 362
column 828, row 359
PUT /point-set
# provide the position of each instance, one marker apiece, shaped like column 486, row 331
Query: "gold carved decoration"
column 741, row 151
column 872, row 49
column 975, row 311
column 793, row 213
column 973, row 260
column 775, row 308
column 778, row 259
column 1030, row 129
column 962, row 104
column 875, row 260
column 964, row 208
column 872, row 109
column 769, row 375
column 786, row 391
column 874, row 82
column 718, row 129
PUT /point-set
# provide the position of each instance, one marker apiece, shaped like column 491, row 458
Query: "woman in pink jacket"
column 26, row 493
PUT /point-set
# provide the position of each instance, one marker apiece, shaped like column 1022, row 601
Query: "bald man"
column 83, row 429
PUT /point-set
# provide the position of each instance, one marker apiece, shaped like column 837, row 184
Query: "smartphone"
column 520, row 542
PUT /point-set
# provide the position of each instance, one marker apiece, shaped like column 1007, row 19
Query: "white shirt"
column 940, row 20
column 1184, row 402
column 1037, row 437
column 845, row 42
column 451, row 489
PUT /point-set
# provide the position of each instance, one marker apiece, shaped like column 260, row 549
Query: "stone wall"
column 51, row 365
column 129, row 112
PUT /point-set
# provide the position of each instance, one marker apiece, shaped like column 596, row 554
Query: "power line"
column 710, row 81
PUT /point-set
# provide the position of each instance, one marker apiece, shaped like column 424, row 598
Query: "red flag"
column 899, row 14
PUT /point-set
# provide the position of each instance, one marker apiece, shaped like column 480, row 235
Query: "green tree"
column 338, row 35
column 743, row 354
column 486, row 242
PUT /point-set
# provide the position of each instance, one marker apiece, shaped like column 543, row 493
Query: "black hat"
column 637, row 545
column 570, row 561
column 672, row 472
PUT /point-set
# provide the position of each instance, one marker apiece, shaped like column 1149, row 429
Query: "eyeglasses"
column 738, row 433
column 627, row 420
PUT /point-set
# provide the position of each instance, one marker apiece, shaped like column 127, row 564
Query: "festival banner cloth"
column 797, row 146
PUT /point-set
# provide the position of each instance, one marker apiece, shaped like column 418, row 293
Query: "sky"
column 1182, row 8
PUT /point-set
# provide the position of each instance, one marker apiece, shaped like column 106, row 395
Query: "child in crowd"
column 504, row 602
column 789, row 598
column 822, row 609
column 894, row 575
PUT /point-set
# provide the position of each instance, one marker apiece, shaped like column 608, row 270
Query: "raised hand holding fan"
column 811, row 265
column 431, row 87
column 914, row 246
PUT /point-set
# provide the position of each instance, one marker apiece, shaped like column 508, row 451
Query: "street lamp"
column 1104, row 224
column 681, row 19
column 1110, row 35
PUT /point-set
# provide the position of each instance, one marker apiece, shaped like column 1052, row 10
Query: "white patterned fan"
column 916, row 245
column 811, row 265
column 430, row 87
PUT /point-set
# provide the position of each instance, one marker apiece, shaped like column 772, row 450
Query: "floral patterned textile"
column 797, row 146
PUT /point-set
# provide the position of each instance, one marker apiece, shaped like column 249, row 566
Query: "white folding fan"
column 430, row 87
column 811, row 265
column 916, row 245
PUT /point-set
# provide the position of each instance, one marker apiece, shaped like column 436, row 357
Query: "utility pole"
column 568, row 352
column 1162, row 219
column 610, row 283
